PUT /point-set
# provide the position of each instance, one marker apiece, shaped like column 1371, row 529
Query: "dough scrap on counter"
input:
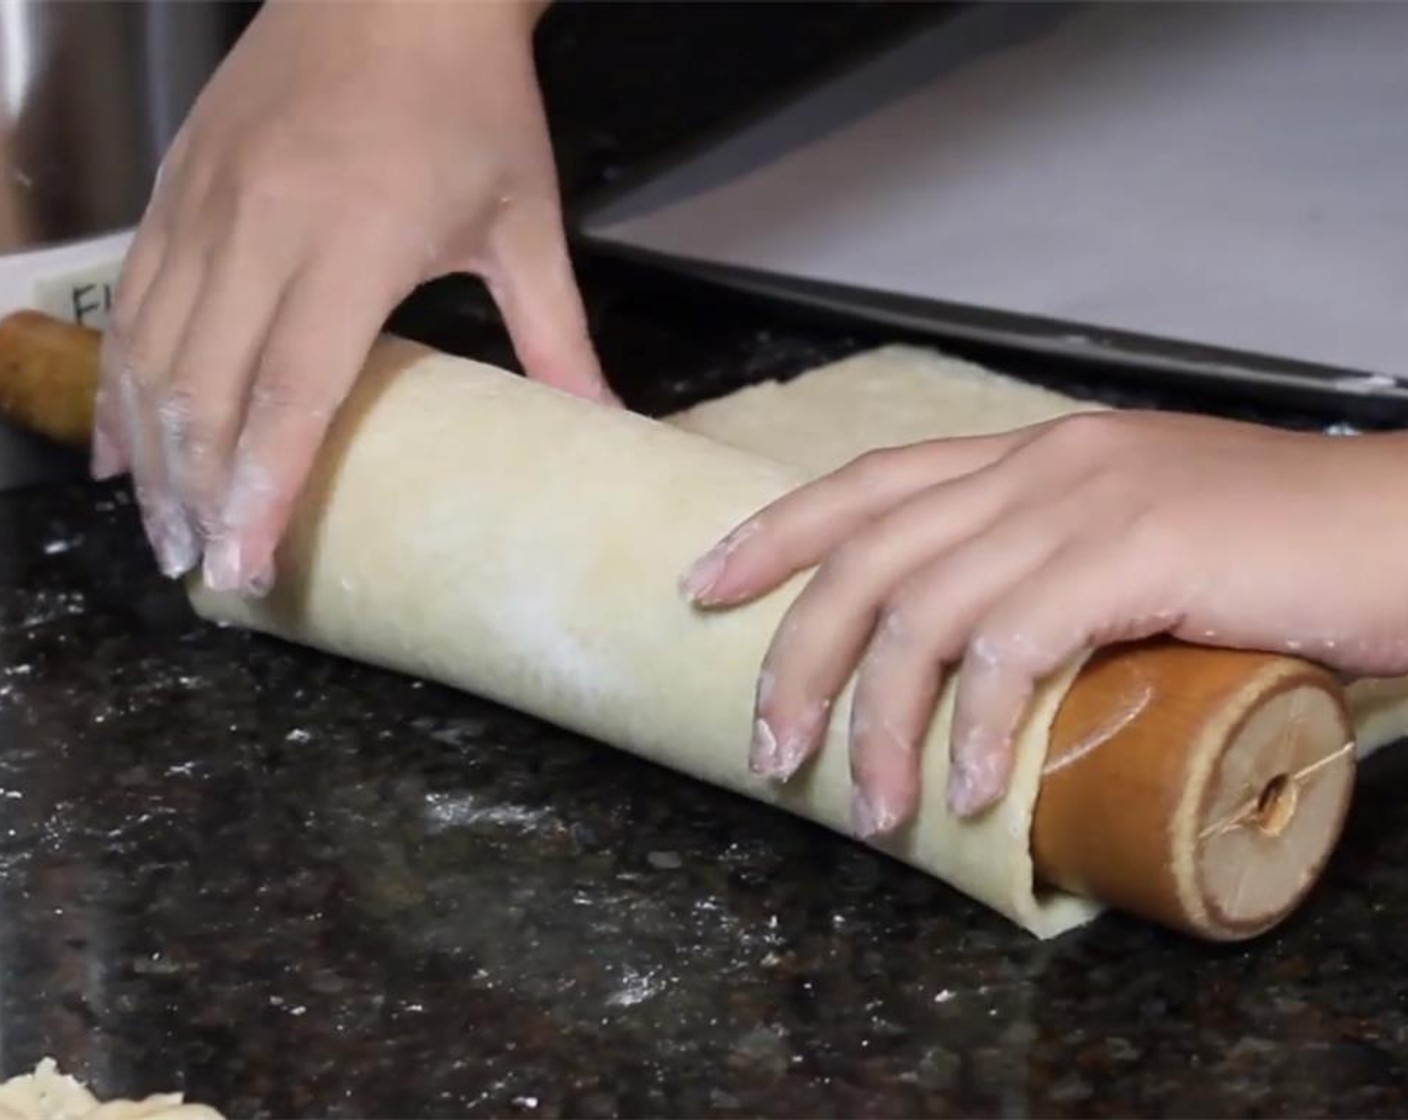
column 47, row 1094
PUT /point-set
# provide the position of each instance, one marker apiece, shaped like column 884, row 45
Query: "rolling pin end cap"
column 1201, row 789
column 1271, row 811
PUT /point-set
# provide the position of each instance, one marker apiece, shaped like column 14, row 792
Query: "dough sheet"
column 473, row 528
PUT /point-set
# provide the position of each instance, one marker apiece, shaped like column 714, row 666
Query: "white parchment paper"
column 1232, row 174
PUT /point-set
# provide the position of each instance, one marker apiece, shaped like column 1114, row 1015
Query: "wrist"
column 512, row 18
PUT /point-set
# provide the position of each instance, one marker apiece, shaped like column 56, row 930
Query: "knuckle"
column 278, row 393
column 1109, row 487
column 907, row 620
column 895, row 628
column 1094, row 435
column 201, row 457
column 137, row 367
column 1002, row 647
column 285, row 393
column 128, row 353
column 1152, row 537
column 122, row 322
column 871, row 469
column 990, row 647
column 195, row 431
column 174, row 406
column 251, row 197
column 266, row 177
column 184, row 200
column 257, row 165
column 261, row 177
column 853, row 574
column 846, row 564
column 918, row 616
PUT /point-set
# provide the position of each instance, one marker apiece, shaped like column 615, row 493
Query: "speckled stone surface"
column 291, row 885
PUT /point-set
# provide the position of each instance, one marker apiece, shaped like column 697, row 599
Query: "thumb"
column 529, row 274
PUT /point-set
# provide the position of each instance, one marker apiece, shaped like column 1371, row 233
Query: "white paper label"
column 79, row 295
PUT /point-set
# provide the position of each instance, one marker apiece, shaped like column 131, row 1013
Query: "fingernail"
column 700, row 582
column 773, row 756
column 172, row 540
column 222, row 564
column 960, row 793
column 177, row 558
column 973, row 780
column 105, row 462
column 704, row 573
column 871, row 816
column 259, row 585
column 763, row 754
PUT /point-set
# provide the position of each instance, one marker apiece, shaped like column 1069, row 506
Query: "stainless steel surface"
column 91, row 94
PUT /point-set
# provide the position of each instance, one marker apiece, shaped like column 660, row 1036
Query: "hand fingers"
column 143, row 360
column 799, row 529
column 110, row 455
column 212, row 368
column 530, row 276
column 329, row 319
column 168, row 532
column 925, row 626
column 824, row 631
column 1066, row 607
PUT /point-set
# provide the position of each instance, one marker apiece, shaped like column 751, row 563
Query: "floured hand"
column 342, row 155
column 1006, row 556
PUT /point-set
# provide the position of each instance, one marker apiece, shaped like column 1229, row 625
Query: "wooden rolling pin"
column 1203, row 789
column 48, row 376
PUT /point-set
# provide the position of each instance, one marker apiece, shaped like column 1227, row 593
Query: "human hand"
column 1009, row 555
column 342, row 155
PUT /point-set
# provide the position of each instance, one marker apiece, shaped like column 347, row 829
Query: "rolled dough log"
column 470, row 527
column 47, row 1094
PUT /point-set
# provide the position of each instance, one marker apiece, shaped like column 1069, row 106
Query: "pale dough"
column 496, row 535
column 879, row 398
column 47, row 1094
column 1380, row 711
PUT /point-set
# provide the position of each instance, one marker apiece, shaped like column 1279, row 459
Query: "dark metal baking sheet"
column 1335, row 55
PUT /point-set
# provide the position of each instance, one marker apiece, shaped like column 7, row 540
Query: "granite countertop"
column 291, row 885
